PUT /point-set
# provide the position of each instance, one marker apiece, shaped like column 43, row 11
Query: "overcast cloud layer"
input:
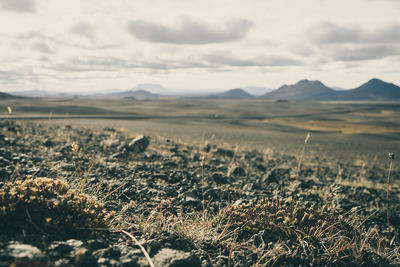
column 189, row 44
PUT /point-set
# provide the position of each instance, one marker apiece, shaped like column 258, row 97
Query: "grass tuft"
column 50, row 207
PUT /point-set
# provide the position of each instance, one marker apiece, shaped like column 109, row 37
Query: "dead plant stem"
column 387, row 196
column 302, row 155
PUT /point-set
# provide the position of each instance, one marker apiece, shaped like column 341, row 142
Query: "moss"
column 48, row 206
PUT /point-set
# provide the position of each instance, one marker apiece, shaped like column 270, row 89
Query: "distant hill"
column 37, row 93
column 303, row 90
column 374, row 89
column 42, row 94
column 135, row 94
column 237, row 93
column 151, row 87
column 7, row 96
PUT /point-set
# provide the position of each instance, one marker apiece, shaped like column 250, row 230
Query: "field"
column 354, row 130
column 222, row 182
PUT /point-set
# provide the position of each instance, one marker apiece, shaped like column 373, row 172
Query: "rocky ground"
column 175, row 199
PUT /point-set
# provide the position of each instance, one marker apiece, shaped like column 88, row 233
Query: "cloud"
column 58, row 41
column 332, row 33
column 17, row 76
column 366, row 53
column 189, row 32
column 227, row 59
column 84, row 29
column 28, row 6
column 211, row 61
column 42, row 47
column 96, row 63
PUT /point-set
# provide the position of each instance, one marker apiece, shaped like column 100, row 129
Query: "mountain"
column 237, row 93
column 135, row 94
column 42, row 94
column 7, row 96
column 374, row 89
column 151, row 87
column 303, row 90
column 35, row 93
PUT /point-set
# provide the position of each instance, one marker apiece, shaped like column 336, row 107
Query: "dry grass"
column 345, row 127
column 50, row 206
column 302, row 155
column 314, row 235
column 276, row 231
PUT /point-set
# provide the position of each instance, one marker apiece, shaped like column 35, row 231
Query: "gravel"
column 136, row 176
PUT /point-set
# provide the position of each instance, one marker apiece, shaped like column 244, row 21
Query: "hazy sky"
column 89, row 45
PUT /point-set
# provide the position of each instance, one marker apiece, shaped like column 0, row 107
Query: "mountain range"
column 374, row 89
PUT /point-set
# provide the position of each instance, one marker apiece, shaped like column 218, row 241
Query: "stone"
column 48, row 142
column 219, row 178
column 59, row 248
column 224, row 152
column 236, row 171
column 17, row 250
column 97, row 244
column 175, row 258
column 190, row 197
column 84, row 258
column 139, row 144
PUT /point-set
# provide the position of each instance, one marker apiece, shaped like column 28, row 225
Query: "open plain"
column 353, row 130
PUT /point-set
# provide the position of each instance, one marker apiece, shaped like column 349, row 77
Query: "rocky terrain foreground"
column 82, row 197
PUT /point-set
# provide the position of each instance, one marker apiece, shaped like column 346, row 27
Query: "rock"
column 118, row 155
column 190, row 197
column 175, row 258
column 109, row 253
column 236, row 171
column 74, row 243
column 97, row 244
column 261, row 167
column 83, row 257
column 139, row 144
column 224, row 152
column 122, row 146
column 16, row 250
column 48, row 142
column 174, row 149
column 219, row 178
column 59, row 248
column 278, row 174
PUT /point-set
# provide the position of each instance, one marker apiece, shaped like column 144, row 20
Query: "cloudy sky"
column 92, row 45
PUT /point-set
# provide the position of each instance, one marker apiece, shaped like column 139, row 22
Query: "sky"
column 95, row 45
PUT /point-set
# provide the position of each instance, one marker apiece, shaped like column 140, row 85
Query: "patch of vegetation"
column 50, row 207
column 288, row 232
